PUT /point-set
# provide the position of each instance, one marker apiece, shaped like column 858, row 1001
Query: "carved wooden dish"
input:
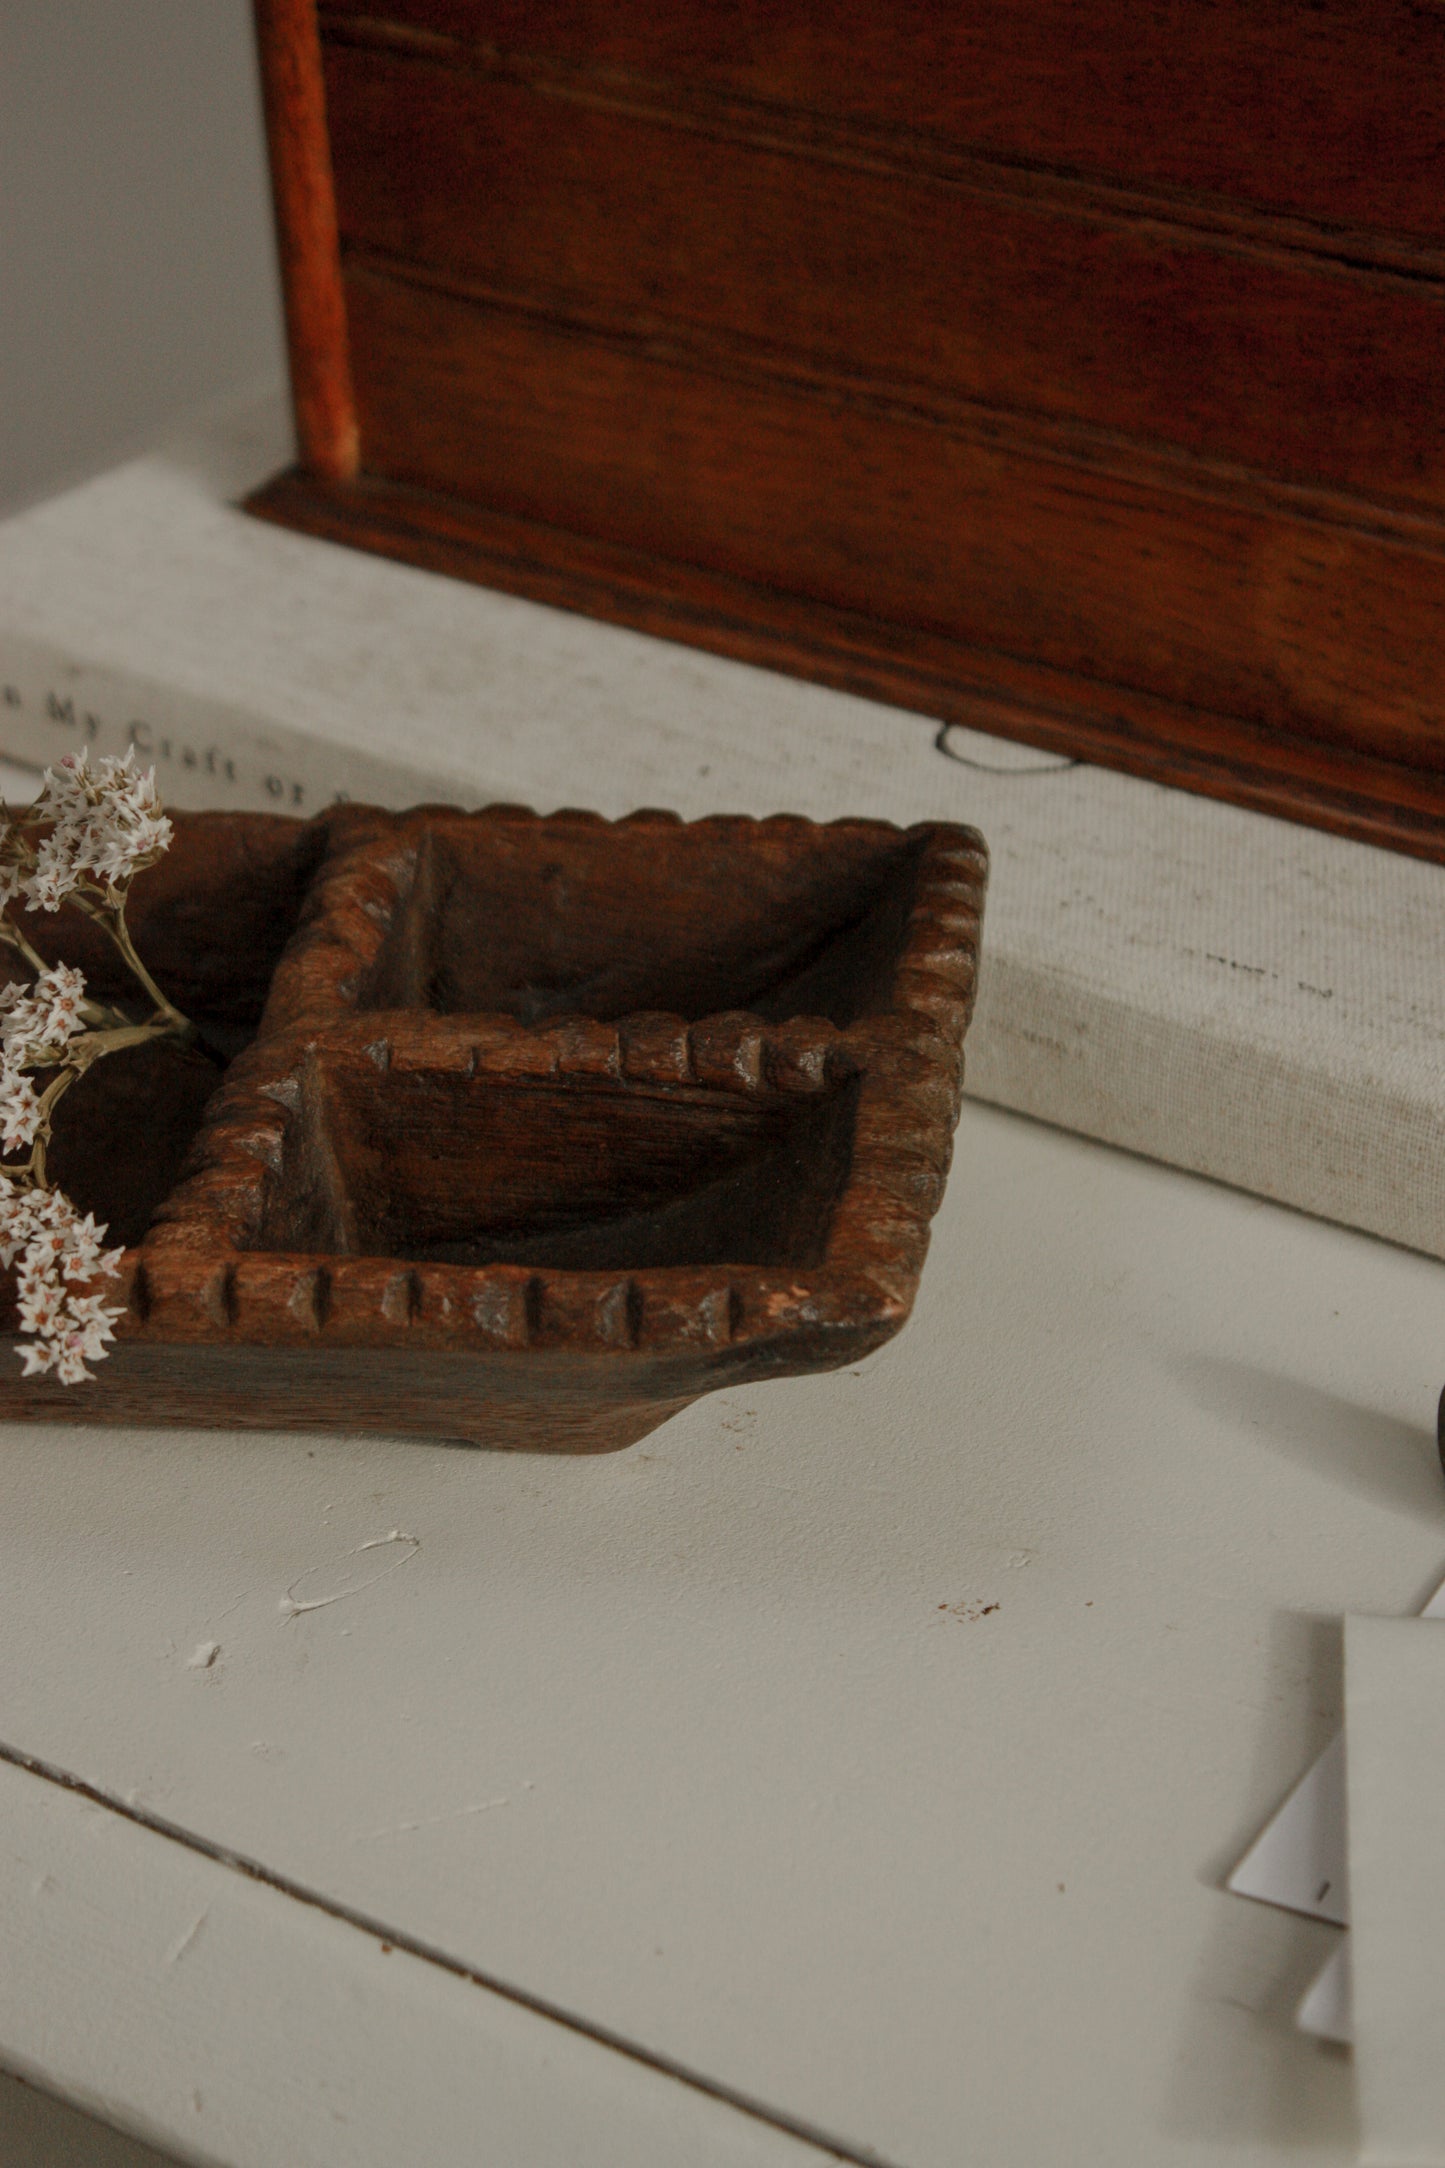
column 534, row 1129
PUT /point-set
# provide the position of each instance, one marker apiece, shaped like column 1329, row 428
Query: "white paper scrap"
column 1298, row 1860
column 1395, row 1723
column 1328, row 2009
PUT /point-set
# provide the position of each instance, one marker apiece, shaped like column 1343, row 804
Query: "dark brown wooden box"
column 1072, row 368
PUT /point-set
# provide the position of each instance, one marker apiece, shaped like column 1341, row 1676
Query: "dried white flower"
column 19, row 1111
column 107, row 825
column 59, row 1252
column 86, row 836
column 36, row 1026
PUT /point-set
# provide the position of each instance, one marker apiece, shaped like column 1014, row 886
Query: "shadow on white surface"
column 1256, row 1962
column 1296, row 2095
column 38, row 2131
column 1306, row 1655
column 1363, row 1450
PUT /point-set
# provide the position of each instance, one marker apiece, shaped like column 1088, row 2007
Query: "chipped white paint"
column 319, row 1580
column 434, row 1821
column 185, row 1939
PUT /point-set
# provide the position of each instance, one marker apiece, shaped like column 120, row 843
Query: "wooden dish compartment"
column 505, row 912
column 411, row 1147
column 212, row 921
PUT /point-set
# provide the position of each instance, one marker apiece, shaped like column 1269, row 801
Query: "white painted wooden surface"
column 869, row 1745
column 1232, row 994
column 215, row 2015
column 37, row 2130
column 722, row 1744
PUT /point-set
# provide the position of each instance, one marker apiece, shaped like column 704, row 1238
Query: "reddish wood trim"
column 1350, row 793
column 295, row 102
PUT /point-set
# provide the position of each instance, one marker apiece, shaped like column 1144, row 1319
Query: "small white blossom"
column 101, row 826
column 37, row 1025
column 62, row 990
column 19, row 1111
column 42, row 1306
column 107, row 825
column 57, row 1249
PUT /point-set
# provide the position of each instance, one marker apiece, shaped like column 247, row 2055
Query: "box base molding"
column 1332, row 787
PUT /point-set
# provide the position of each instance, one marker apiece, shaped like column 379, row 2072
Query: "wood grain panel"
column 1333, row 110
column 1246, row 612
column 1352, row 793
column 1266, row 359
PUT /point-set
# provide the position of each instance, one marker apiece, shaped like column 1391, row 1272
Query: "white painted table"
column 856, row 1757
column 866, row 1749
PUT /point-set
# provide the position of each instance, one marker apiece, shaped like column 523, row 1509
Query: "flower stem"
column 96, row 1044
column 35, row 1167
column 10, row 932
column 111, row 917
